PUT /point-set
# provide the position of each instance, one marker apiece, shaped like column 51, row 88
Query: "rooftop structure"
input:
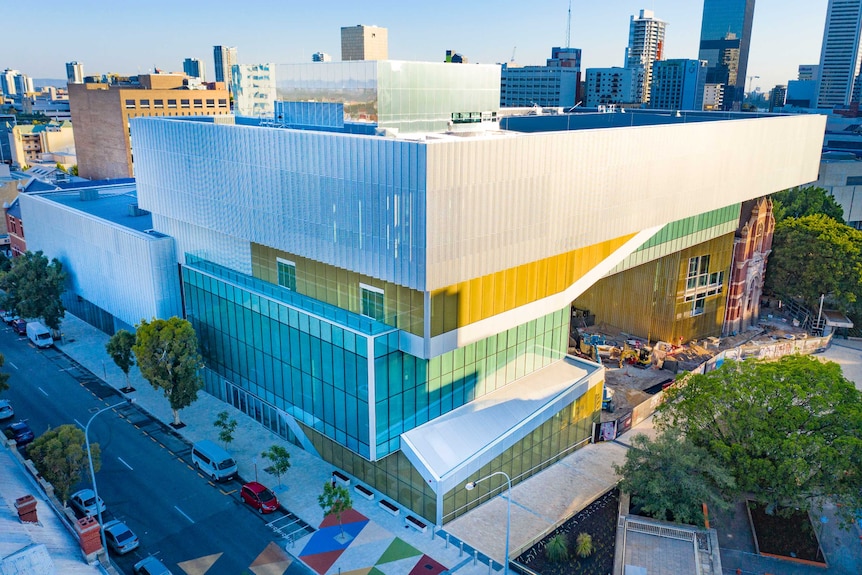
column 364, row 43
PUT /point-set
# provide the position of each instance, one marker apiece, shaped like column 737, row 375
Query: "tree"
column 226, row 427
column 670, row 478
column 789, row 431
column 816, row 255
column 4, row 377
column 168, row 357
column 33, row 288
column 60, row 456
column 584, row 545
column 119, row 347
column 335, row 500
column 74, row 170
column 799, row 202
column 280, row 458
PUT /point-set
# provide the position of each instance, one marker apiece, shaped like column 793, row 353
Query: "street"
column 146, row 479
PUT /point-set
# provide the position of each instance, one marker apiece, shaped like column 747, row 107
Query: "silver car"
column 6, row 410
column 120, row 537
column 151, row 566
column 85, row 502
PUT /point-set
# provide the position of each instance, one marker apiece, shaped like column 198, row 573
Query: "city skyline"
column 785, row 34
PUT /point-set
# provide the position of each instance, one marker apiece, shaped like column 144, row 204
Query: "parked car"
column 8, row 316
column 84, row 501
column 151, row 566
column 259, row 497
column 119, row 537
column 20, row 432
column 6, row 411
column 20, row 326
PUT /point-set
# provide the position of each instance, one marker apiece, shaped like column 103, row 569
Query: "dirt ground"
column 629, row 381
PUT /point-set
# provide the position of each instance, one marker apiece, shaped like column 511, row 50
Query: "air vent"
column 135, row 211
column 89, row 194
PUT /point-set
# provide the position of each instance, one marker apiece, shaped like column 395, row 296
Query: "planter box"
column 363, row 492
column 341, row 478
column 415, row 523
column 388, row 507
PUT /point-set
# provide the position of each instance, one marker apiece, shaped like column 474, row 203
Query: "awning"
column 836, row 319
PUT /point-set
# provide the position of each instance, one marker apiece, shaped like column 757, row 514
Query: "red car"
column 20, row 326
column 259, row 497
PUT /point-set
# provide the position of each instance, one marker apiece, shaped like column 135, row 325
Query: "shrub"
column 556, row 550
column 584, row 545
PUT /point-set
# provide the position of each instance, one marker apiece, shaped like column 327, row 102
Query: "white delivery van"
column 212, row 460
column 39, row 334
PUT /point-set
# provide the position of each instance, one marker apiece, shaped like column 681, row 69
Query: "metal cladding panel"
column 354, row 202
column 129, row 274
column 496, row 203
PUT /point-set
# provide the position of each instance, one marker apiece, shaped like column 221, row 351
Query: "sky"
column 134, row 37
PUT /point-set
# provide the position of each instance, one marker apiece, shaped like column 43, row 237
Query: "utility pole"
column 569, row 27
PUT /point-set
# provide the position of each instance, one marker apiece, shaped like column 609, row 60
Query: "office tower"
column 646, row 45
column 7, row 81
column 713, row 97
column 364, row 43
column 605, row 86
column 555, row 84
column 75, row 72
column 678, row 85
column 101, row 113
column 224, row 59
column 253, row 90
column 194, row 68
column 321, row 57
column 725, row 37
column 777, row 97
column 400, row 306
column 808, row 72
column 840, row 54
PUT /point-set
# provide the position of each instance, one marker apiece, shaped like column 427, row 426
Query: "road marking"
column 43, row 391
column 13, row 365
column 183, row 514
column 223, row 492
column 126, row 464
column 79, row 423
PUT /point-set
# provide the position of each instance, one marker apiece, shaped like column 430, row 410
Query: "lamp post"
column 128, row 400
column 472, row 484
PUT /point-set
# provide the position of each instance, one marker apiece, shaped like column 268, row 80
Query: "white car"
column 120, row 537
column 151, row 566
column 85, row 502
column 6, row 410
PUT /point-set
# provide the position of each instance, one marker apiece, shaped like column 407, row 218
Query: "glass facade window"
column 286, row 274
column 372, row 302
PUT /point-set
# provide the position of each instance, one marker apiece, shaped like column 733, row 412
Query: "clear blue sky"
column 131, row 37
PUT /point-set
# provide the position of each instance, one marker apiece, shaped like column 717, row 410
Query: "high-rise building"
column 678, row 84
column 254, row 90
column 725, row 37
column 75, row 72
column 646, row 45
column 321, row 57
column 101, row 113
column 555, row 84
column 224, row 58
column 611, row 86
column 194, row 68
column 7, row 82
column 24, row 85
column 364, row 43
column 840, row 54
column 713, row 97
column 777, row 97
column 808, row 72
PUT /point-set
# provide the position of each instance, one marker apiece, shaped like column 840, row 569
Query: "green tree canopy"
column 33, row 288
column 280, row 458
column 671, row 477
column 226, row 426
column 799, row 202
column 119, row 347
column 815, row 255
column 61, row 457
column 335, row 500
column 4, row 377
column 789, row 431
column 167, row 355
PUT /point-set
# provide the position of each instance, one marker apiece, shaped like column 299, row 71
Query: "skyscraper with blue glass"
column 725, row 38
column 384, row 275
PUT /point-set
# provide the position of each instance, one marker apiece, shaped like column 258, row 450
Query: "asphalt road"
column 193, row 525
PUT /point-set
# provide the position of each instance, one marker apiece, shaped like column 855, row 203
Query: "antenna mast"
column 569, row 27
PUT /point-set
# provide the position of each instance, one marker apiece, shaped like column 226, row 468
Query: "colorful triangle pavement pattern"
column 271, row 561
column 369, row 549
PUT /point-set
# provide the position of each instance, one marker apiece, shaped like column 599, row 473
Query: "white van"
column 213, row 461
column 39, row 334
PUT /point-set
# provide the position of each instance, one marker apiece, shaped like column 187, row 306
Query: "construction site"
column 637, row 368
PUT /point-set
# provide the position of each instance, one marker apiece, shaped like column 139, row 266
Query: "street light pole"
column 128, row 400
column 472, row 484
